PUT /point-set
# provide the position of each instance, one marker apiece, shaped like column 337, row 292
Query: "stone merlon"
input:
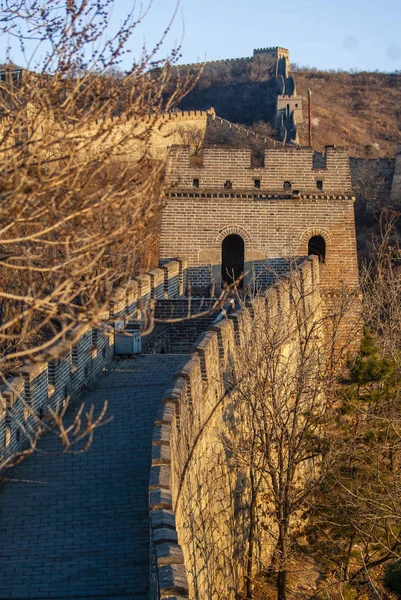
column 286, row 168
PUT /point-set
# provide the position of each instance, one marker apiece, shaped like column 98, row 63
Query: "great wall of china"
column 186, row 429
column 153, row 509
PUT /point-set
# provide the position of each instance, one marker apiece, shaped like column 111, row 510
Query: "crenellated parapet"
column 73, row 363
column 214, row 63
column 126, row 134
column 289, row 105
column 195, row 525
column 273, row 52
column 230, row 170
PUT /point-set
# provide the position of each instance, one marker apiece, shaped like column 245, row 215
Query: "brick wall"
column 124, row 136
column 76, row 361
column 193, row 489
column 291, row 164
column 183, row 334
column 274, row 225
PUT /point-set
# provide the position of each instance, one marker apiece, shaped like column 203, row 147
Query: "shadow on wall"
column 209, row 280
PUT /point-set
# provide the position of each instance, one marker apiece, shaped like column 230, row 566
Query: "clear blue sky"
column 330, row 34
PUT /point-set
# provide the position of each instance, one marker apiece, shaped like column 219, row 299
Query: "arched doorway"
column 232, row 260
column 317, row 247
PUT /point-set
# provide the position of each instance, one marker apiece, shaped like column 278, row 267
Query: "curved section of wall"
column 228, row 125
column 25, row 400
column 197, row 499
column 289, row 106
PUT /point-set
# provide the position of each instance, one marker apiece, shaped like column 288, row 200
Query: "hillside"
column 242, row 91
column 358, row 110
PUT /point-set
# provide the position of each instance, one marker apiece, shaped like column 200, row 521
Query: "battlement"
column 190, row 421
column 199, row 65
column 288, row 97
column 81, row 357
column 275, row 51
column 171, row 116
column 176, row 115
column 285, row 169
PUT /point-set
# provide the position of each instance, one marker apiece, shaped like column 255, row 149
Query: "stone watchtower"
column 227, row 217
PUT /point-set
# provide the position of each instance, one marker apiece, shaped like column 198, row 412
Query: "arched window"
column 317, row 247
column 232, row 259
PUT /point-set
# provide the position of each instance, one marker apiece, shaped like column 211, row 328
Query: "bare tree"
column 282, row 384
column 191, row 136
column 354, row 516
column 78, row 188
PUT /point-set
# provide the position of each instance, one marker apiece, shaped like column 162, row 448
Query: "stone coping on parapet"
column 71, row 363
column 166, row 116
column 252, row 196
column 281, row 147
column 198, row 65
column 204, row 372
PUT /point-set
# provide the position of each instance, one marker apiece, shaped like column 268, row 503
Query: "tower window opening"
column 257, row 184
column 228, row 185
column 196, row 183
column 287, row 185
column 317, row 247
column 233, row 260
column 319, row 184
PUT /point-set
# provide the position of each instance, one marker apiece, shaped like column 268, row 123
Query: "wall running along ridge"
column 197, row 502
column 289, row 105
column 125, row 136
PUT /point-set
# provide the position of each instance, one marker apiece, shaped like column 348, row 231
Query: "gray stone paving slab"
column 77, row 526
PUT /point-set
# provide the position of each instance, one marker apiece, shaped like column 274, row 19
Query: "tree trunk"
column 282, row 548
column 251, row 537
column 282, row 584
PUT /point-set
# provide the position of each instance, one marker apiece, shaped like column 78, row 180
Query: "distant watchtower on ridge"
column 266, row 64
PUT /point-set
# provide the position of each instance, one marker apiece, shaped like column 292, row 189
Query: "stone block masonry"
column 184, row 333
column 293, row 166
column 126, row 136
column 197, row 502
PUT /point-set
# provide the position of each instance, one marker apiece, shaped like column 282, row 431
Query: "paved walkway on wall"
column 76, row 526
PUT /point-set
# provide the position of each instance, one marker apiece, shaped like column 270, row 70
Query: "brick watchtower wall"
column 275, row 209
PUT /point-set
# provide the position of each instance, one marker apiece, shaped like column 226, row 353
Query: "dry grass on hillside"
column 358, row 110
